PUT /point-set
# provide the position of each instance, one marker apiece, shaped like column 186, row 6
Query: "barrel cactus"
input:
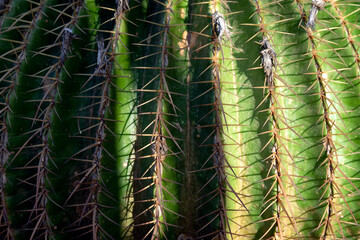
column 162, row 119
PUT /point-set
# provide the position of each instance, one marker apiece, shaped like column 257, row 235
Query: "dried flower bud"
column 67, row 36
column 221, row 29
column 101, row 51
column 122, row 6
column 102, row 61
column 268, row 57
column 315, row 7
column 157, row 211
column 159, row 147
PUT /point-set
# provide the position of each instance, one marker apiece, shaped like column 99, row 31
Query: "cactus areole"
column 179, row 120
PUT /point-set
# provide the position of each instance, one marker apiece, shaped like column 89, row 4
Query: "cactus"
column 179, row 119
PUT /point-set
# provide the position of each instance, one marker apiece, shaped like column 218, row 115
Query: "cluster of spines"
column 42, row 121
column 91, row 181
column 5, row 92
column 331, row 224
column 223, row 194
column 218, row 156
column 277, row 199
column 39, row 158
column 91, row 195
column 349, row 29
column 199, row 53
column 5, row 225
column 157, row 104
column 15, row 58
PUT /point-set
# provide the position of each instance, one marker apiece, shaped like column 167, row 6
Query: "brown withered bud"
column 315, row 7
column 67, row 37
column 221, row 29
column 159, row 147
column 268, row 57
column 122, row 5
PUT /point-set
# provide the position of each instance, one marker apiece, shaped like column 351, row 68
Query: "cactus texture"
column 189, row 119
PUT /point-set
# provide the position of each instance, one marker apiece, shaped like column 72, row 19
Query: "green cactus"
column 179, row 119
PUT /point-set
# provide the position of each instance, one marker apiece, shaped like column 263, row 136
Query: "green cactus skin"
column 161, row 119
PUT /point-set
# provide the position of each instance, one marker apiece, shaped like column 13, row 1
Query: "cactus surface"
column 164, row 119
